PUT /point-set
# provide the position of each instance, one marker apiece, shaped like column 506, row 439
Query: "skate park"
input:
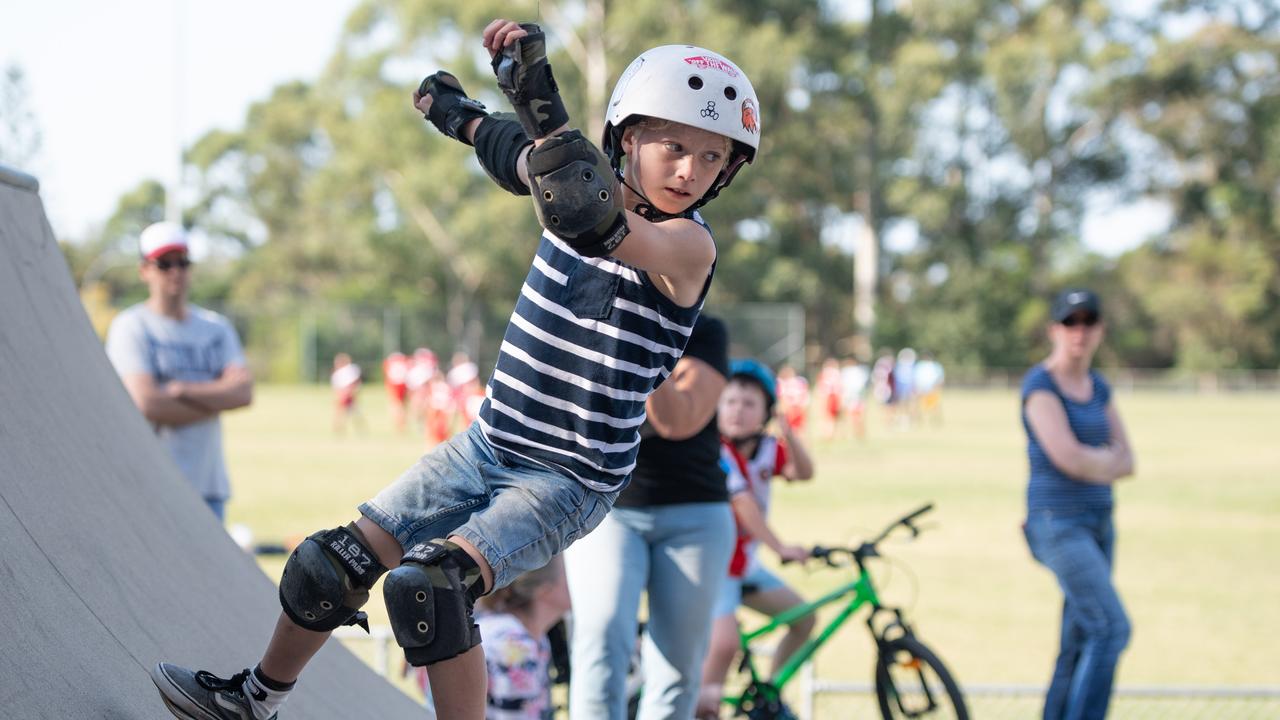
column 112, row 563
column 349, row 244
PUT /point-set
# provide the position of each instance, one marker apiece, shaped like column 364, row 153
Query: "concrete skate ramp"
column 109, row 562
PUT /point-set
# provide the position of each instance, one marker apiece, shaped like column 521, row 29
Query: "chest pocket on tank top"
column 590, row 292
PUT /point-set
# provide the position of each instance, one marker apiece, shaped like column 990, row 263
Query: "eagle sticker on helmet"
column 749, row 117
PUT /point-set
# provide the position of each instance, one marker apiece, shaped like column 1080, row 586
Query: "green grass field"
column 1198, row 531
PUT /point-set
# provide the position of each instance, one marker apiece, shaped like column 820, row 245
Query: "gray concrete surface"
column 109, row 562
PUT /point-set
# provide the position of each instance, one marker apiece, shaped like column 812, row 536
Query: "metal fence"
column 1127, row 379
column 818, row 699
column 836, row 701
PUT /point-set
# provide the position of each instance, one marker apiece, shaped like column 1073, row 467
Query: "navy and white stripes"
column 588, row 341
column 1049, row 488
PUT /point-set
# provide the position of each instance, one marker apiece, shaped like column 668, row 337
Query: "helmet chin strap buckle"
column 645, row 207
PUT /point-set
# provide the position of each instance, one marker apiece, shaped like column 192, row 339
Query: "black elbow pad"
column 577, row 195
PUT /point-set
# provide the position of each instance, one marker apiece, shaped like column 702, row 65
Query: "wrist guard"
column 524, row 76
column 451, row 109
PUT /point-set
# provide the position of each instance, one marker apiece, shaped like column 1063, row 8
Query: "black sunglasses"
column 166, row 265
column 1087, row 319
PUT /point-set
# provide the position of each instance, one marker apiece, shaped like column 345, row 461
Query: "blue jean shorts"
column 756, row 579
column 517, row 513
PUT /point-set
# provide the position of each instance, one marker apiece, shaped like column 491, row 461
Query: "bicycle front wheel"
column 911, row 682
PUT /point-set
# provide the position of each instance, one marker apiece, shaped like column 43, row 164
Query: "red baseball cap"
column 161, row 238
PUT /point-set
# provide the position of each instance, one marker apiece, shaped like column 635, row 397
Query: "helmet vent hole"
column 587, row 176
column 555, row 219
column 548, row 195
column 695, row 82
column 730, row 92
column 604, row 196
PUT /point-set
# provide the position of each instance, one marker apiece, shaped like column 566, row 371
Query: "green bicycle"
column 910, row 680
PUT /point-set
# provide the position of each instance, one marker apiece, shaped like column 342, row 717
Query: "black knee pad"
column 429, row 600
column 327, row 579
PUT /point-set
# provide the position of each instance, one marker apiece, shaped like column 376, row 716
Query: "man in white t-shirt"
column 182, row 364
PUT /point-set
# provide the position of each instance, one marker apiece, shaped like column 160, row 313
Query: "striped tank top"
column 588, row 341
column 1048, row 487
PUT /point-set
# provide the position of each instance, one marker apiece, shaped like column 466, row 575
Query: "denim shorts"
column 757, row 579
column 518, row 514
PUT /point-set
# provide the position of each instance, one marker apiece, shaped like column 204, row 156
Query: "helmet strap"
column 644, row 208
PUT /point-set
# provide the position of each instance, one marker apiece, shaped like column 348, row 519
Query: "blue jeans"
column 1078, row 547
column 680, row 555
column 517, row 513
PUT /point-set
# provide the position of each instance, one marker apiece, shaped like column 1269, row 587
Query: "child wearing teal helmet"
column 751, row 457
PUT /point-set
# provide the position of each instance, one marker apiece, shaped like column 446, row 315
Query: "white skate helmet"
column 690, row 85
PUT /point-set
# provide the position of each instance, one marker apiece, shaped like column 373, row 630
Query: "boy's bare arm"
column 677, row 254
column 799, row 464
column 753, row 522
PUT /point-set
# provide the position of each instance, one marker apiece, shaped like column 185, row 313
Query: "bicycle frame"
column 860, row 592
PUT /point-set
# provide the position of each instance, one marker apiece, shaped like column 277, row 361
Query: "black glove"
column 451, row 109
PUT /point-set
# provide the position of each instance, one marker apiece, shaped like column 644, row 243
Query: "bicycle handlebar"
column 868, row 548
column 905, row 521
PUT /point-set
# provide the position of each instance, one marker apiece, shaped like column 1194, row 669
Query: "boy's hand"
column 793, row 553
column 442, row 100
column 501, row 33
column 519, row 58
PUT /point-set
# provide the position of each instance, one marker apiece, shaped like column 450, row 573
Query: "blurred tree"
column 1211, row 103
column 110, row 255
column 19, row 129
column 949, row 147
column 105, row 265
column 363, row 202
column 1009, row 151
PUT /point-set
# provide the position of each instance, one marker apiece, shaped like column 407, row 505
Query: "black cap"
column 1073, row 300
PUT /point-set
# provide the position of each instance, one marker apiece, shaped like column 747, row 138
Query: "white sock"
column 265, row 695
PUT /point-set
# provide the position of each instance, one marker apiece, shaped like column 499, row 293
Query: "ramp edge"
column 18, row 179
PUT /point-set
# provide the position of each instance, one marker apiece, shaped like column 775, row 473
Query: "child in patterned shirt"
column 514, row 622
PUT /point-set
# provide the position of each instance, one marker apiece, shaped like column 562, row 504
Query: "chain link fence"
column 840, row 701
column 292, row 347
column 1126, row 379
column 816, row 699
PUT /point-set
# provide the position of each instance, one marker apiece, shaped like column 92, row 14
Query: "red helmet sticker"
column 702, row 62
column 750, row 118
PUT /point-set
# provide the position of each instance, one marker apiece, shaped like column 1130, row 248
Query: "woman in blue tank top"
column 1077, row 449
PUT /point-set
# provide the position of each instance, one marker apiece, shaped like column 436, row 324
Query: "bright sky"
column 103, row 80
column 105, row 88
